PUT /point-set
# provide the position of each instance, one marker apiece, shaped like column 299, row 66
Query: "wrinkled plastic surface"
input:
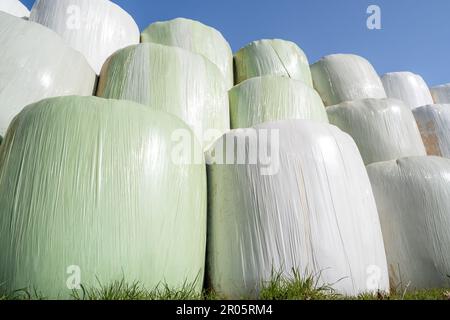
column 272, row 98
column 15, row 8
column 272, row 57
column 413, row 199
column 173, row 80
column 383, row 129
column 90, row 183
column 317, row 214
column 36, row 64
column 196, row 37
column 95, row 28
column 346, row 77
column 434, row 125
column 408, row 87
column 441, row 94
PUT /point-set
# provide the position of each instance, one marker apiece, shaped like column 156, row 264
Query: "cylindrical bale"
column 272, row 57
column 434, row 125
column 91, row 193
column 287, row 195
column 171, row 79
column 413, row 199
column 346, row 77
column 441, row 94
column 36, row 64
column 196, row 37
column 383, row 129
column 271, row 98
column 408, row 87
column 95, row 28
column 15, row 8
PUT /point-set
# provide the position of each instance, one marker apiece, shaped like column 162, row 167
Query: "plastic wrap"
column 316, row 213
column 196, row 37
column 441, row 94
column 272, row 57
column 35, row 64
column 413, row 198
column 271, row 98
column 15, row 8
column 171, row 79
column 89, row 187
column 346, row 77
column 408, row 87
column 95, row 28
column 383, row 129
column 434, row 125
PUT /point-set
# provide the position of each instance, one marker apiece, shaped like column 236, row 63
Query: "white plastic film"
column 15, row 8
column 408, row 87
column 441, row 94
column 413, row 199
column 196, row 37
column 95, row 28
column 36, row 64
column 383, row 129
column 304, row 203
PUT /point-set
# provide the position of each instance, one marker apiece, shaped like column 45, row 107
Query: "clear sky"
column 415, row 34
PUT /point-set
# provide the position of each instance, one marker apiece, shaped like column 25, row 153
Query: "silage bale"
column 408, row 87
column 434, row 125
column 413, row 199
column 15, row 8
column 36, row 64
column 95, row 28
column 171, row 79
column 441, row 94
column 383, row 129
column 271, row 98
column 272, row 57
column 310, row 208
column 346, row 77
column 196, row 37
column 90, row 184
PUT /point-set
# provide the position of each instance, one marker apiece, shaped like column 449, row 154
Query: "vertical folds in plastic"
column 441, row 94
column 271, row 98
column 316, row 213
column 36, row 64
column 89, row 184
column 95, row 28
column 383, row 129
column 413, row 199
column 196, row 37
column 15, row 8
column 272, row 57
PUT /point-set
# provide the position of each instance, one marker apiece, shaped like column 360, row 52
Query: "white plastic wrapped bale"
column 95, row 28
column 15, row 8
column 413, row 198
column 196, row 37
column 441, row 94
column 304, row 203
column 434, row 125
column 172, row 79
column 36, row 64
column 408, row 87
column 272, row 57
column 383, row 129
column 346, row 77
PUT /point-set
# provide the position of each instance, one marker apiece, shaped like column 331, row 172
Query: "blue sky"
column 415, row 34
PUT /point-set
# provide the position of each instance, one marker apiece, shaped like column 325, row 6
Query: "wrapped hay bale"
column 346, row 77
column 36, row 64
column 173, row 80
column 15, row 8
column 383, row 129
column 89, row 188
column 408, row 87
column 413, row 199
column 272, row 57
column 434, row 125
column 95, row 28
column 272, row 98
column 196, row 37
column 441, row 94
column 301, row 200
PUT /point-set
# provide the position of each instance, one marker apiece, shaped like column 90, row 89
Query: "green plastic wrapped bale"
column 272, row 98
column 272, row 57
column 89, row 191
column 196, row 37
column 173, row 80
